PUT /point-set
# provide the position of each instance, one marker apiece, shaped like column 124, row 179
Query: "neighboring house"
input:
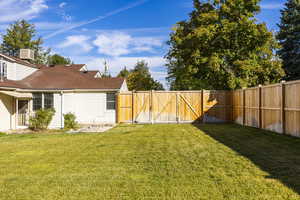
column 25, row 88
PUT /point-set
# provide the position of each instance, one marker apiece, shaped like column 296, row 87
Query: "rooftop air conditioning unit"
column 27, row 54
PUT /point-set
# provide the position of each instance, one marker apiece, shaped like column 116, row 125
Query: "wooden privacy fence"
column 272, row 107
column 174, row 107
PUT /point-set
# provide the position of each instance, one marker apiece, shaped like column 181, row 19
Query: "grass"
column 151, row 162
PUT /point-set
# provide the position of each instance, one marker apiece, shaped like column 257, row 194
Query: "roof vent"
column 26, row 54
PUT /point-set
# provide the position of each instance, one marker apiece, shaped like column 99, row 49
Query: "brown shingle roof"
column 63, row 77
column 91, row 74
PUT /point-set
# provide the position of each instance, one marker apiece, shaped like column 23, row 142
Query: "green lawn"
column 151, row 162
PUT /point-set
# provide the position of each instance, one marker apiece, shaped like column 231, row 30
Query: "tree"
column 221, row 46
column 106, row 73
column 124, row 73
column 22, row 35
column 58, row 60
column 289, row 37
column 140, row 78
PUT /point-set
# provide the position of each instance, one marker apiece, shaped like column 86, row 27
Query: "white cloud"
column 11, row 10
column 50, row 25
column 271, row 6
column 117, row 63
column 155, row 63
column 119, row 43
column 81, row 41
column 62, row 4
column 99, row 18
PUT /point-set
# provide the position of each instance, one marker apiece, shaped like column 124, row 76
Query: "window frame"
column 48, row 97
column 40, row 101
column 43, row 101
column 3, row 69
column 110, row 101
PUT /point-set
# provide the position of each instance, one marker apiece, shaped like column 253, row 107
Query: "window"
column 37, row 101
column 110, row 101
column 3, row 69
column 43, row 101
column 48, row 100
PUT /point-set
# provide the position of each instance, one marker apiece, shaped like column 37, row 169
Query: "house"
column 26, row 87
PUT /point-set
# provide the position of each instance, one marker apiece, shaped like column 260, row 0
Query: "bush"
column 41, row 119
column 70, row 121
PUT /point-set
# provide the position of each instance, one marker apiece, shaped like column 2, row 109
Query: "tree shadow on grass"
column 275, row 154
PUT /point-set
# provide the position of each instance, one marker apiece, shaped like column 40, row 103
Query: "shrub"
column 41, row 119
column 70, row 121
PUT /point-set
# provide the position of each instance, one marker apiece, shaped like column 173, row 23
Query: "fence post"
column 283, row 106
column 244, row 106
column 202, row 106
column 151, row 106
column 177, row 108
column 132, row 107
column 117, row 108
column 260, row 106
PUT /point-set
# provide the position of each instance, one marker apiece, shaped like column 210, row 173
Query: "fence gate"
column 173, row 106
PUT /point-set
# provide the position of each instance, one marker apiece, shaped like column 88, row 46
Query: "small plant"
column 2, row 134
column 70, row 121
column 41, row 119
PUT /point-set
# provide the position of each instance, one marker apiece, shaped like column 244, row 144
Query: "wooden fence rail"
column 272, row 107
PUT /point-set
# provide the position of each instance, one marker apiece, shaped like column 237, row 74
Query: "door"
column 23, row 109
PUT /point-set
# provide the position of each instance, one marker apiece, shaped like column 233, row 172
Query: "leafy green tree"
column 289, row 37
column 222, row 46
column 124, row 73
column 140, row 78
column 22, row 35
column 58, row 60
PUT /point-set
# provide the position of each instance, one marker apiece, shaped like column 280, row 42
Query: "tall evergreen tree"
column 289, row 37
column 106, row 73
column 22, row 35
column 221, row 46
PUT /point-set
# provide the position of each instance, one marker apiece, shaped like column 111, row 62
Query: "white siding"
column 23, row 71
column 89, row 108
column 6, row 111
column 11, row 71
column 124, row 87
column 56, row 121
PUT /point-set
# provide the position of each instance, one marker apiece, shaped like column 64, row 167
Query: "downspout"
column 61, row 110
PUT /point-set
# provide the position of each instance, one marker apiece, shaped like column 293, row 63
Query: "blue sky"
column 118, row 31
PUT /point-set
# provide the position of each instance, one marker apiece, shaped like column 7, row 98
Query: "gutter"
column 61, row 109
column 59, row 90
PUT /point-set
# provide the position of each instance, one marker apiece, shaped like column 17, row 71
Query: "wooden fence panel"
column 271, row 108
column 238, row 103
column 251, row 107
column 217, row 106
column 292, row 108
column 190, row 106
column 141, row 107
column 124, row 107
column 164, row 107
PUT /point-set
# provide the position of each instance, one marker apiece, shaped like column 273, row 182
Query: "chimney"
column 26, row 54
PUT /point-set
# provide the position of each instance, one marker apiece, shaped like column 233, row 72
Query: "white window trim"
column 3, row 68
column 43, row 100
column 110, row 110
